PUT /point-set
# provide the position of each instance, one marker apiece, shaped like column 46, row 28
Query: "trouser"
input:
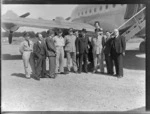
column 52, row 65
column 77, row 61
column 98, row 61
column 28, row 62
column 109, row 64
column 83, row 59
column 118, row 61
column 40, row 66
column 59, row 59
column 71, row 55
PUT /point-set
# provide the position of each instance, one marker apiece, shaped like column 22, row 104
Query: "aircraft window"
column 94, row 9
column 100, row 8
column 114, row 5
column 90, row 11
column 106, row 6
column 78, row 14
column 82, row 13
column 85, row 12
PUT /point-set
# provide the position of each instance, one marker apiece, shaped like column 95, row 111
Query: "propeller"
column 25, row 15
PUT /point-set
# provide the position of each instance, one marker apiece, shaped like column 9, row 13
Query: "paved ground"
column 73, row 92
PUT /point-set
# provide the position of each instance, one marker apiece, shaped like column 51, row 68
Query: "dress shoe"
column 67, row 72
column 79, row 72
column 94, row 71
column 119, row 76
column 75, row 72
column 86, row 72
column 102, row 72
column 63, row 73
column 53, row 76
column 28, row 77
column 36, row 78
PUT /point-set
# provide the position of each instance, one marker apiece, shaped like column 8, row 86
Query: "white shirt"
column 59, row 41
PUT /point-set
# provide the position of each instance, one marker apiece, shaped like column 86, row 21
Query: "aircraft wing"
column 46, row 24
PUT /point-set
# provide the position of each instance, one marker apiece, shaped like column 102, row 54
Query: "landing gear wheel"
column 10, row 37
column 142, row 46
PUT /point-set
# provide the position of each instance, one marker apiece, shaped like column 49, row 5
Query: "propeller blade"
column 25, row 15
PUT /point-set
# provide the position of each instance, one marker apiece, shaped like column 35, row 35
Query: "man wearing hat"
column 59, row 43
column 70, row 50
column 26, row 49
column 82, row 50
column 97, row 50
column 97, row 25
column 51, row 53
column 39, row 50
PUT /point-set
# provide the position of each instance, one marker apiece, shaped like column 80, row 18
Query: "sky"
column 48, row 12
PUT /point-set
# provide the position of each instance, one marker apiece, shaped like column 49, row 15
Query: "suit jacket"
column 107, row 46
column 82, row 45
column 51, row 49
column 39, row 49
column 119, row 44
column 70, row 43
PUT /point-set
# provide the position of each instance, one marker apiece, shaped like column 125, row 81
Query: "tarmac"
column 73, row 92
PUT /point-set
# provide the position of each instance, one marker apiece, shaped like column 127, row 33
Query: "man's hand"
column 124, row 54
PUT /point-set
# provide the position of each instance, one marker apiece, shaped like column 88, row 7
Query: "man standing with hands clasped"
column 51, row 53
column 70, row 50
column 98, row 50
column 39, row 50
column 117, row 52
column 82, row 50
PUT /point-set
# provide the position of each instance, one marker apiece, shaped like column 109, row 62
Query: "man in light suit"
column 70, row 50
column 98, row 50
column 117, row 52
column 26, row 49
column 59, row 43
column 51, row 53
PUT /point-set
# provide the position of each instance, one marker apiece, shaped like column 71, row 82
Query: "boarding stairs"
column 138, row 24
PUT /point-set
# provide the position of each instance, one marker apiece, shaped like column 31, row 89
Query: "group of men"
column 78, row 48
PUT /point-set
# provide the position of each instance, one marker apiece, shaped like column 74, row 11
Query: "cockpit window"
column 100, row 8
column 106, row 6
column 82, row 13
column 90, row 11
column 85, row 12
column 114, row 5
column 94, row 9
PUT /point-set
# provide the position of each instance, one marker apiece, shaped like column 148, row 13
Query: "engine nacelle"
column 11, row 27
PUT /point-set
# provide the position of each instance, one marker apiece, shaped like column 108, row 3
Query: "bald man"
column 118, row 46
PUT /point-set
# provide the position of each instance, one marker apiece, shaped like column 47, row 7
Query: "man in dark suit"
column 51, row 53
column 82, row 50
column 76, row 33
column 106, row 50
column 39, row 50
column 117, row 52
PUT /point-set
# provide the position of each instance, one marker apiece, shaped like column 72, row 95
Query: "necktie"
column 28, row 43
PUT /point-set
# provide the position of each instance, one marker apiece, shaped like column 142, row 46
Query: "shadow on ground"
column 141, row 109
column 11, row 57
column 132, row 62
column 19, row 75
